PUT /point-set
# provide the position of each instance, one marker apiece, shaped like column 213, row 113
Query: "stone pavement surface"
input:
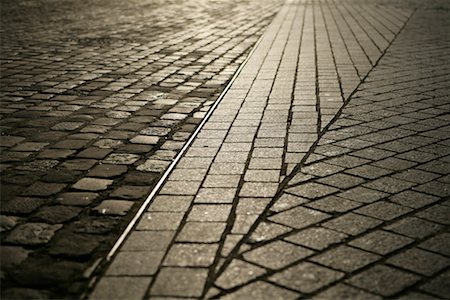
column 97, row 98
column 322, row 174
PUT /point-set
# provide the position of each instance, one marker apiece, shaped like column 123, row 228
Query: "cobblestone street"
column 232, row 149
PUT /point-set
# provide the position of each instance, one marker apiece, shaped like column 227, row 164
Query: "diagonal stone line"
column 234, row 252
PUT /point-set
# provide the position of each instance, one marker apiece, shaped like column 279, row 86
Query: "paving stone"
column 191, row 255
column 79, row 164
column 342, row 181
column 93, row 225
column 435, row 188
column 56, row 214
column 343, row 291
column 94, row 152
column 9, row 141
column 312, row 190
column 389, row 185
column 363, row 195
column 416, row 176
column 414, row 227
column 121, row 287
column 121, row 159
column 383, row 280
column 24, row 293
column 180, row 188
column 55, row 153
column 368, row 171
column 209, row 232
column 74, row 245
column 171, row 203
column 32, row 234
column 108, row 143
column 417, row 296
column 438, row 286
column 71, row 144
column 345, row 258
column 130, row 192
column 188, row 175
column 413, row 199
column 135, row 263
column 22, row 205
column 227, row 168
column 140, row 178
column 76, row 198
column 383, row 210
column 299, row 217
column 277, row 254
column 439, row 243
column 107, row 171
column 258, row 189
column 182, row 282
column 237, row 273
column 332, row 204
column 144, row 139
column 287, row 201
column 215, row 195
column 92, row 184
column 261, row 290
column 67, row 126
column 251, row 206
column 306, row 277
column 151, row 165
column 419, row 261
column 352, row 224
column 46, row 273
column 148, row 241
column 381, row 242
column 159, row 221
column 29, row 146
column 209, row 213
column 266, row 231
column 113, row 207
column 321, row 169
column 7, row 222
column 316, row 238
column 42, row 189
column 12, row 256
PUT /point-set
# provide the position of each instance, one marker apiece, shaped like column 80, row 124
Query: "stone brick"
column 191, row 255
column 42, row 189
column 56, row 214
column 92, row 184
column 316, row 237
column 113, row 207
column 299, row 217
column 419, row 261
column 237, row 273
column 345, row 258
column 383, row 280
column 181, row 282
column 107, row 171
column 135, row 263
column 201, row 232
column 209, row 213
column 130, row 192
column 306, row 277
column 277, row 255
column 121, row 288
column 32, row 233
column 381, row 242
